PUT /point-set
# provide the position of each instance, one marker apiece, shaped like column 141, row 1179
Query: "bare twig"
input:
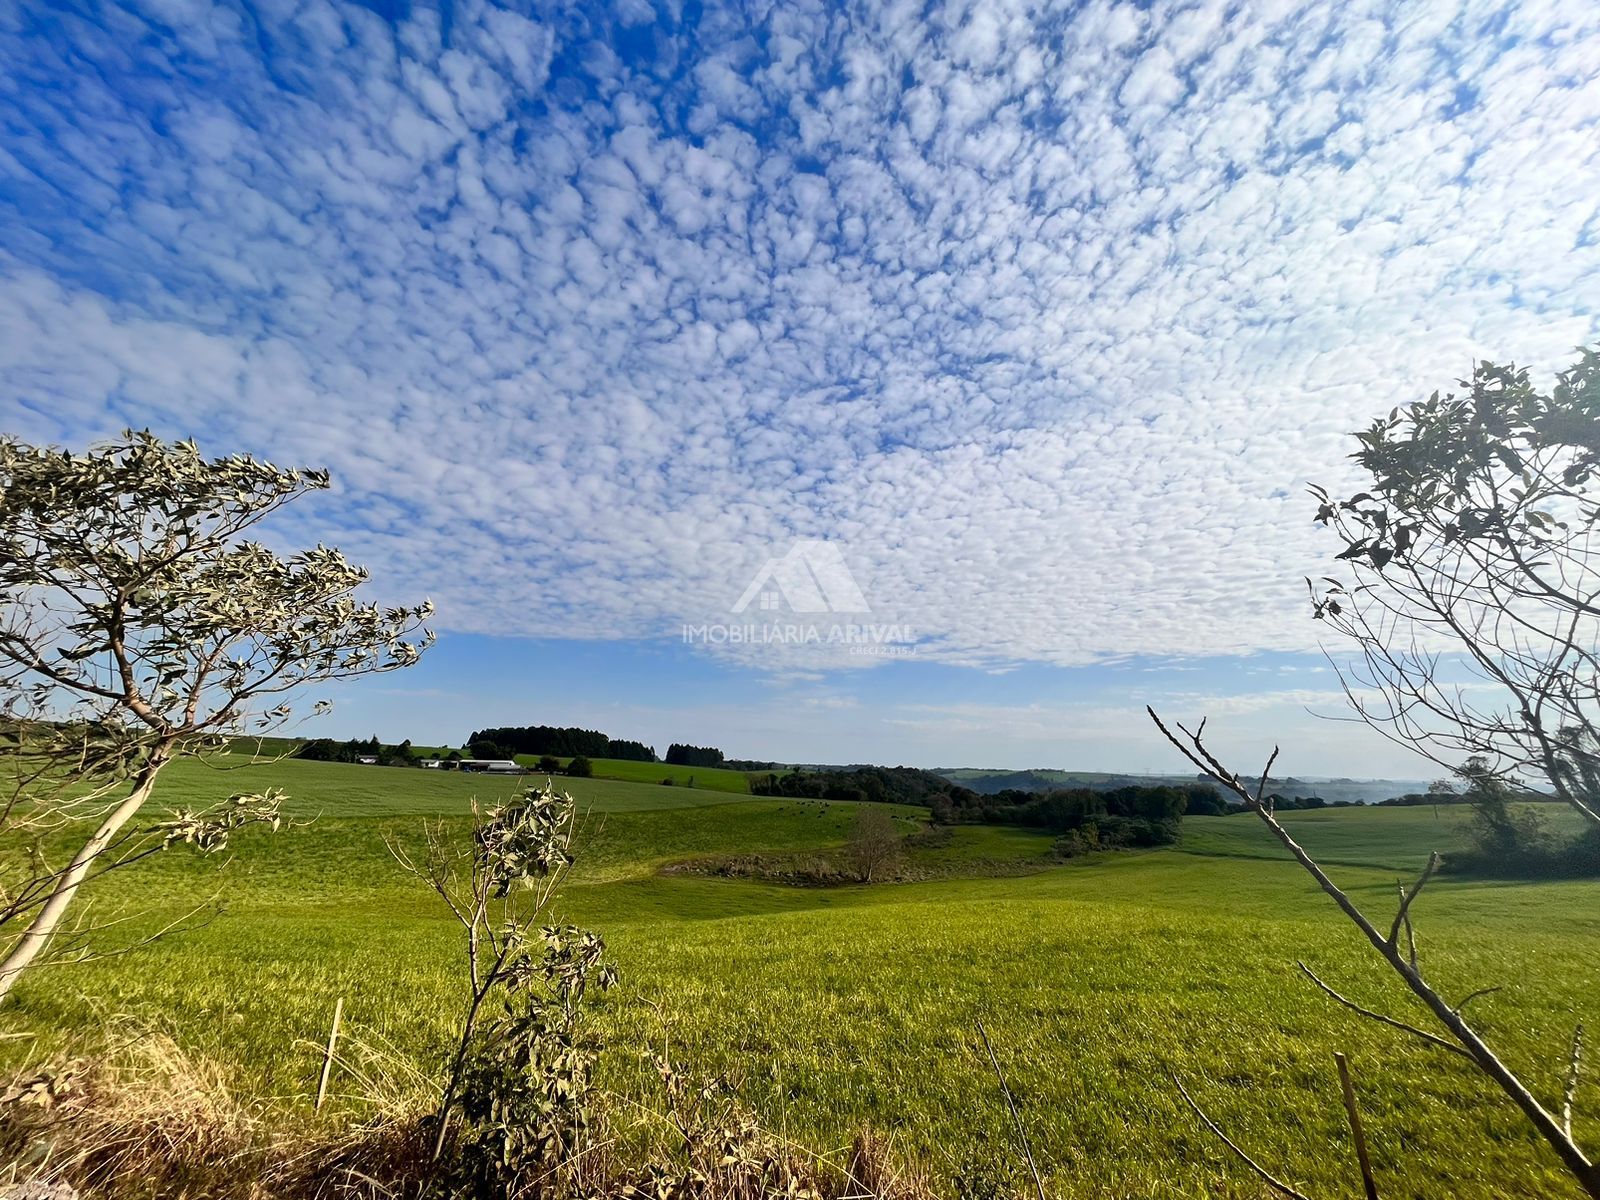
column 1011, row 1103
column 1266, row 774
column 1574, row 1064
column 1266, row 1176
column 1354, row 1114
column 1475, row 995
column 1408, row 897
column 1431, row 1039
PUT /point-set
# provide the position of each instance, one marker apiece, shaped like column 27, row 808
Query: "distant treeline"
column 1066, row 808
column 885, row 785
column 1282, row 803
column 1413, row 799
column 694, row 756
column 511, row 740
column 354, row 750
column 1088, row 818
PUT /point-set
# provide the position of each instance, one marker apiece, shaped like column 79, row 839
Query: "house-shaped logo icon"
column 810, row 578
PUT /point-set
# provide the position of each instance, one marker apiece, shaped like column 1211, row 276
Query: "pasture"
column 714, row 779
column 835, row 1009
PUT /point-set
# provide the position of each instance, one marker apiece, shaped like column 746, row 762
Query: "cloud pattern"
column 1044, row 315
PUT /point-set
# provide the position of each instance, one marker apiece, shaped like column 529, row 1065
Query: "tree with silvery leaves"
column 139, row 623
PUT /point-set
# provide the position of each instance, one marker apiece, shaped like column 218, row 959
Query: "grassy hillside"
column 354, row 790
column 715, row 779
column 838, row 1008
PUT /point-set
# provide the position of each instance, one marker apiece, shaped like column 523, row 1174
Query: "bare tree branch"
column 1408, row 897
column 1454, row 1023
column 1431, row 1039
column 1011, row 1103
column 1266, row 1176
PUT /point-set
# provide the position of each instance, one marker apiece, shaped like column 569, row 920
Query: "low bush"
column 1534, row 858
column 1108, row 832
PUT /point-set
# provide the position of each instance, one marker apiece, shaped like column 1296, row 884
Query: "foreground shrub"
column 520, row 1078
column 526, row 1082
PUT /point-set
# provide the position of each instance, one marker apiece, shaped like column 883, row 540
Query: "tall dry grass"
column 141, row 1118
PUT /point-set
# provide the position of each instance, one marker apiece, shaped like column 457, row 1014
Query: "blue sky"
column 1040, row 316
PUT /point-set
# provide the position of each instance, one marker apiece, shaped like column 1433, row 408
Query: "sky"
column 994, row 344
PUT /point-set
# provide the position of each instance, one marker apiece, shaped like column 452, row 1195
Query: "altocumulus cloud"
column 1044, row 315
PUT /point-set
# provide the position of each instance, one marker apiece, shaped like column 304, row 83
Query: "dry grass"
column 142, row 1119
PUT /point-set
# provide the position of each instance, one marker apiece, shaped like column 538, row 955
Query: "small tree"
column 520, row 1075
column 875, row 844
column 1475, row 606
column 1397, row 946
column 1477, row 576
column 580, row 767
column 140, row 626
column 549, row 764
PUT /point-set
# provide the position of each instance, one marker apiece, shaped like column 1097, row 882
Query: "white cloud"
column 1152, row 80
column 1046, row 321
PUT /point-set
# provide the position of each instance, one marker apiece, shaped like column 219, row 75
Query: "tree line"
column 694, row 756
column 1087, row 818
column 883, row 785
column 355, row 749
column 511, row 740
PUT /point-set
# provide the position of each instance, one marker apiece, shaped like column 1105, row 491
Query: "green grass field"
column 345, row 790
column 853, row 1006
